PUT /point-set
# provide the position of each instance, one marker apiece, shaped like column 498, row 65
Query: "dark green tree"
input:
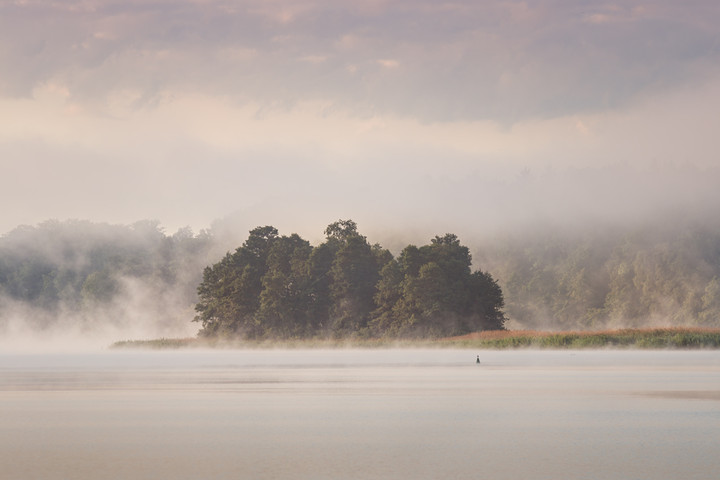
column 389, row 297
column 285, row 301
column 319, row 266
column 430, row 291
column 230, row 291
column 354, row 274
column 349, row 267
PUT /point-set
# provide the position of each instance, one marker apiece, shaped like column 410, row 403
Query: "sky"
column 421, row 115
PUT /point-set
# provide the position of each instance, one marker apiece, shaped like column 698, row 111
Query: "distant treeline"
column 656, row 274
column 664, row 274
column 282, row 287
column 78, row 269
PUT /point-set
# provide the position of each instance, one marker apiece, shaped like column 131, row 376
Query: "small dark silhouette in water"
column 478, row 359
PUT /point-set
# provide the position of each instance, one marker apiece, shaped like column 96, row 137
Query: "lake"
column 360, row 414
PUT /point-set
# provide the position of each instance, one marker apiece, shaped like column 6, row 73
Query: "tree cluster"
column 282, row 287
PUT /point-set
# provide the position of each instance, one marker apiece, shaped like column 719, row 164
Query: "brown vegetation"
column 680, row 337
column 503, row 334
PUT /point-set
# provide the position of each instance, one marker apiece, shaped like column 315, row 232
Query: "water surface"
column 359, row 414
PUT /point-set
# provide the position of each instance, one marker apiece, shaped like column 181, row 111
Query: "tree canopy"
column 281, row 287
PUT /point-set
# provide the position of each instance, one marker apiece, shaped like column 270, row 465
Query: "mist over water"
column 360, row 414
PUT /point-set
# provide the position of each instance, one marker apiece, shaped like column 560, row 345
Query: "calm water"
column 353, row 414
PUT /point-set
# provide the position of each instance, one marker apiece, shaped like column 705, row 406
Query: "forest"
column 281, row 287
column 663, row 273
column 86, row 276
column 655, row 274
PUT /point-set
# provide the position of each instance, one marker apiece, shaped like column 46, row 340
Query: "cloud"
column 467, row 60
column 388, row 63
column 315, row 59
column 186, row 110
column 192, row 158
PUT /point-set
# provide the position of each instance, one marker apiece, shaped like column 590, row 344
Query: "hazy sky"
column 396, row 114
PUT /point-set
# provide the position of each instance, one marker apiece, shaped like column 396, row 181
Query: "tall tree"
column 230, row 290
column 354, row 274
column 285, row 299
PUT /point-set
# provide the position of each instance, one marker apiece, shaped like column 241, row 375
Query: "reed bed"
column 644, row 338
column 640, row 338
column 292, row 343
column 158, row 343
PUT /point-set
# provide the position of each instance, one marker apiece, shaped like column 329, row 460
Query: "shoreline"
column 688, row 338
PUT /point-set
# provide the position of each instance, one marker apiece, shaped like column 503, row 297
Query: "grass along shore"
column 646, row 338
